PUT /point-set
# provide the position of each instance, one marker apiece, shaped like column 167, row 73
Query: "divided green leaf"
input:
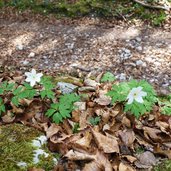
column 62, row 110
column 108, row 76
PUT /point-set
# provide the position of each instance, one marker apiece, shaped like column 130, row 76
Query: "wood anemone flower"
column 33, row 77
column 136, row 94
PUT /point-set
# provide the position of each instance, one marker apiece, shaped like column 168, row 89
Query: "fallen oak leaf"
column 91, row 83
column 146, row 160
column 130, row 158
column 125, row 167
column 76, row 155
column 92, row 166
column 106, row 143
column 103, row 100
column 127, row 137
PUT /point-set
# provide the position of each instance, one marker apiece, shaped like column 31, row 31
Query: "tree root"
column 152, row 6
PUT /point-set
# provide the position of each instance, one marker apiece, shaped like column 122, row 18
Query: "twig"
column 152, row 6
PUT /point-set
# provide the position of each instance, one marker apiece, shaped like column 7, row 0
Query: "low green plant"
column 48, row 86
column 62, row 109
column 2, row 106
column 75, row 128
column 95, row 120
column 108, row 77
column 165, row 104
column 138, row 97
column 22, row 92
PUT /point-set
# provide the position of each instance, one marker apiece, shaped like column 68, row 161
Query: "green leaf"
column 75, row 128
column 108, row 76
column 50, row 112
column 94, row 121
column 57, row 118
column 62, row 110
column 15, row 101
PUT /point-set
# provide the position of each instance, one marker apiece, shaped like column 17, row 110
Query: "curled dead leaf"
column 8, row 118
column 106, row 143
column 76, row 155
column 125, row 167
column 93, row 166
column 146, row 160
column 127, row 137
column 103, row 100
column 91, row 83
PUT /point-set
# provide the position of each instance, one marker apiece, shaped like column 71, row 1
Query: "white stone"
column 139, row 48
column 31, row 55
column 139, row 62
column 138, row 39
column 22, row 164
column 25, row 62
column 20, row 47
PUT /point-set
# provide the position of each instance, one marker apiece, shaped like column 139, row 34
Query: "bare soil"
column 85, row 45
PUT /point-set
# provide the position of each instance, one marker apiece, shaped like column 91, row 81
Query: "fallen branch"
column 152, row 6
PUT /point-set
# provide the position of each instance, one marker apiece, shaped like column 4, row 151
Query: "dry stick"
column 152, row 6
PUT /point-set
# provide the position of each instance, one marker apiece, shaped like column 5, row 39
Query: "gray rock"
column 66, row 88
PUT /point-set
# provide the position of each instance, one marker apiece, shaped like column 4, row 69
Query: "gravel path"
column 88, row 46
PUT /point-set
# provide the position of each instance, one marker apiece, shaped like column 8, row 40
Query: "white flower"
column 32, row 77
column 136, row 94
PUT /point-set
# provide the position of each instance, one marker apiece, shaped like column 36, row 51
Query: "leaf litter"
column 111, row 143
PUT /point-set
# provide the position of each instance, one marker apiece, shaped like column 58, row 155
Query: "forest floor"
column 80, row 48
column 129, row 50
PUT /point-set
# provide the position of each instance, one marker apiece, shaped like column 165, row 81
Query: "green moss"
column 16, row 146
column 164, row 166
column 99, row 8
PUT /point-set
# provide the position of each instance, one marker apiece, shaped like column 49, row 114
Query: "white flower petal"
column 32, row 82
column 33, row 71
column 142, row 93
column 139, row 99
column 130, row 100
column 139, row 88
column 27, row 74
column 28, row 79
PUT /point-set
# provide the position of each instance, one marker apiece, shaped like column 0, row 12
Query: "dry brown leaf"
column 76, row 115
column 146, row 160
column 8, row 118
column 127, row 137
column 91, row 83
column 107, row 144
column 85, row 141
column 163, row 126
column 151, row 133
column 126, row 122
column 83, row 118
column 131, row 159
column 102, row 160
column 105, row 114
column 103, row 100
column 80, row 105
column 52, row 130
column 158, row 150
column 125, row 167
column 76, row 155
column 93, row 166
column 115, row 110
